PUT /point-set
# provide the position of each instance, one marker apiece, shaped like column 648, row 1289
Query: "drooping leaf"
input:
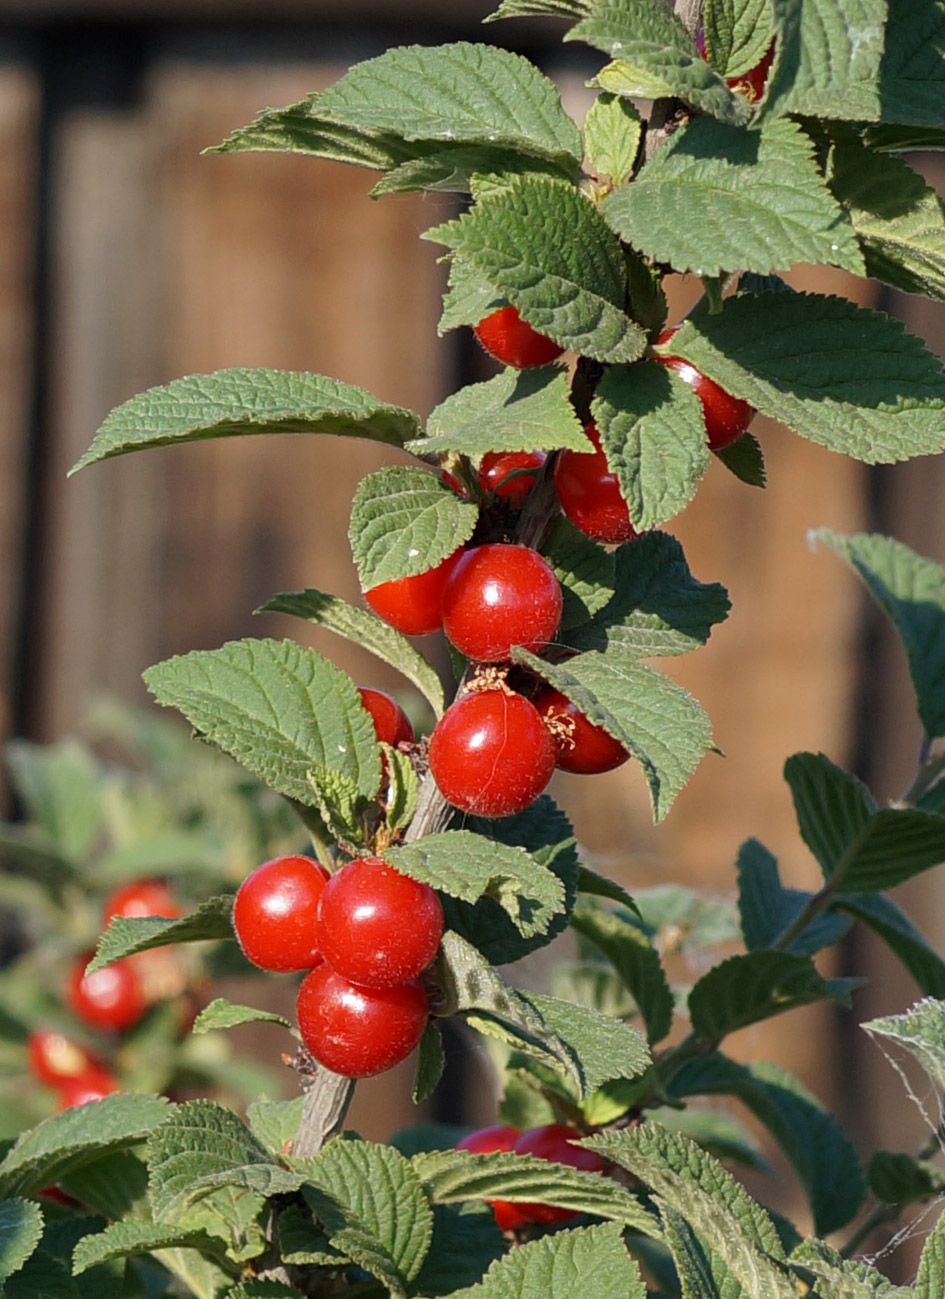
column 465, row 1241
column 225, row 1014
column 132, row 1237
column 21, row 1225
column 541, row 9
column 745, row 989
column 767, row 909
column 900, row 936
column 517, row 410
column 745, row 459
column 233, row 402
column 430, row 1064
column 278, row 708
column 612, row 133
column 125, row 936
column 841, row 375
column 635, row 959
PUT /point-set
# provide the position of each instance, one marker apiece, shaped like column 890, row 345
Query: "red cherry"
column 726, row 417
column 483, row 1142
column 358, row 1031
column 414, row 605
column 391, row 724
column 111, row 998
column 554, row 1142
column 581, row 746
column 141, row 898
column 501, row 595
column 590, row 493
column 377, row 927
column 496, row 467
column 55, row 1058
column 751, row 84
column 90, row 1086
column 507, row 337
column 491, row 754
column 274, row 913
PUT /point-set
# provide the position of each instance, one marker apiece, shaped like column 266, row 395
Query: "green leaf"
column 541, row 9
column 898, row 219
column 233, row 402
column 469, row 298
column 465, row 1241
column 455, row 93
column 841, row 375
column 279, row 709
column 430, row 1064
column 652, row 432
column 371, row 1203
column 262, row 1290
column 635, row 959
column 904, row 139
column 464, row 169
column 115, row 1185
column 456, row 1175
column 898, row 1178
column 658, row 608
column 604, row 1046
column 655, row 57
column 720, row 1134
column 585, row 571
column 738, row 34
column 920, row 1031
column 275, row 1124
column 599, row 886
column 405, row 521
column 718, row 197
column 829, row 61
column 821, row 1153
column 67, row 1141
column 124, row 936
column 767, row 909
column 546, row 248
column 911, row 592
column 745, row 459
column 931, row 1275
column 859, row 849
column 132, row 1237
column 658, row 721
column 301, row 1240
column 400, row 798
column 225, row 1014
column 468, row 866
column 341, row 807
column 887, row 921
column 912, row 73
column 745, row 989
column 363, row 628
column 694, row 1269
column 21, row 1225
column 836, row 1277
column 60, row 788
column 612, row 133
column 517, row 410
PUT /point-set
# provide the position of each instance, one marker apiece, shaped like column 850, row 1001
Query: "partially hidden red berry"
column 751, row 84
column 511, row 340
column 391, row 724
column 357, row 1031
column 274, row 913
column 491, row 754
column 141, row 898
column 726, row 417
column 554, row 1142
column 111, row 998
column 496, row 468
column 377, row 927
column 90, row 1086
column 497, row 596
column 590, row 493
column 501, row 1136
column 414, row 605
column 55, row 1058
column 581, row 746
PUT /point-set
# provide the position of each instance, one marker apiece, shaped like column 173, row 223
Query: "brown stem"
column 327, row 1097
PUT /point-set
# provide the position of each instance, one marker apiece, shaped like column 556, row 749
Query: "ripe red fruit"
column 90, row 1086
column 501, row 595
column 55, row 1058
column 507, row 337
column 377, row 927
column 391, row 724
column 590, row 493
column 502, row 1136
column 726, row 417
column 751, row 84
column 111, row 998
column 414, row 605
column 358, row 1031
column 554, row 1143
column 581, row 746
column 274, row 913
column 491, row 754
column 141, row 898
column 496, row 467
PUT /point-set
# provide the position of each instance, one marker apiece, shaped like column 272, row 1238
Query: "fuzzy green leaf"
column 279, row 709
column 125, row 936
column 222, row 1014
column 930, row 1280
column 737, row 34
column 745, row 989
column 518, row 410
column 829, row 61
column 767, row 909
column 275, row 1123
column 745, row 459
column 59, row 786
column 21, row 1225
column 585, row 571
column 920, row 1031
column 898, row 1178
column 431, row 1061
column 233, row 402
column 569, row 1265
column 612, row 133
column 900, row 936
column 465, row 1241
column 912, row 73
column 546, row 248
column 540, row 9
column 604, row 1046
column 132, row 1237
column 831, row 1276
column 637, row 962
column 405, row 521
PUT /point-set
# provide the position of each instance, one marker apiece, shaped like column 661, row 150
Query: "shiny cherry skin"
column 55, row 1059
column 357, row 1031
column 497, row 596
column 511, row 340
column 496, row 467
column 141, row 898
column 581, row 746
column 726, row 417
column 391, row 724
column 751, row 84
column 274, row 914
column 491, row 754
column 90, row 1086
column 413, row 605
column 112, row 998
column 553, row 1142
column 501, row 1136
column 377, row 927
column 590, row 493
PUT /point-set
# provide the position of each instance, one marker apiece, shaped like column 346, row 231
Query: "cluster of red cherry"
column 364, row 935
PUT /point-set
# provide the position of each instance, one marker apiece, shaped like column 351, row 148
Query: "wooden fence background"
column 127, row 259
